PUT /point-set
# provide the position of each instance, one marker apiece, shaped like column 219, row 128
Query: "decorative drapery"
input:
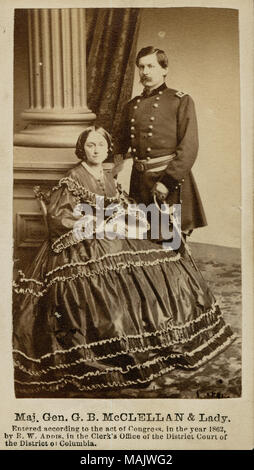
column 111, row 51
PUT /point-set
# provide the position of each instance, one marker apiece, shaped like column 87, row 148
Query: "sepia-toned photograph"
column 126, row 257
column 127, row 203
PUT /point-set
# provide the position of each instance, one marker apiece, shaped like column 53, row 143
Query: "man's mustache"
column 142, row 79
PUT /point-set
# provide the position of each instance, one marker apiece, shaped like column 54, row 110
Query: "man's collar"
column 146, row 93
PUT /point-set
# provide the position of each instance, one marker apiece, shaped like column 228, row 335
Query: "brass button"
column 132, row 120
column 150, row 127
column 152, row 118
column 135, row 107
column 157, row 98
column 155, row 105
column 148, row 149
column 132, row 136
column 150, row 134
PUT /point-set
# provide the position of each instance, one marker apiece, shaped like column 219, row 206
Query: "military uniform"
column 156, row 125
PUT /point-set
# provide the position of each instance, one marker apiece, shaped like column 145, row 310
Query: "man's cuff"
column 169, row 182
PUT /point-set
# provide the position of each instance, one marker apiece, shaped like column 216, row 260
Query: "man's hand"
column 160, row 191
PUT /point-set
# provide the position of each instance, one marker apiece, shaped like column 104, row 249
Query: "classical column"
column 58, row 109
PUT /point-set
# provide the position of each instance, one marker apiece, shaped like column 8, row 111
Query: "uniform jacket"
column 159, row 124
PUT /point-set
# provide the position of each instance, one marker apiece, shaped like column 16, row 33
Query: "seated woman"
column 101, row 312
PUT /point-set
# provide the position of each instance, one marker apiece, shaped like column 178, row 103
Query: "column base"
column 52, row 134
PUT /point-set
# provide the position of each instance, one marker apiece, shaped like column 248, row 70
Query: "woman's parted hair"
column 80, row 151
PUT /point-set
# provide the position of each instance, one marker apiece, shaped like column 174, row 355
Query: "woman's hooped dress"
column 98, row 314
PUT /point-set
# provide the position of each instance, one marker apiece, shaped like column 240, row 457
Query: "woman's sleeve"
column 63, row 219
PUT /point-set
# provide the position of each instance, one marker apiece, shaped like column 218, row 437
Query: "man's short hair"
column 160, row 54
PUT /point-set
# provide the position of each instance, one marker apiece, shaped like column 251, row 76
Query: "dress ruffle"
column 104, row 314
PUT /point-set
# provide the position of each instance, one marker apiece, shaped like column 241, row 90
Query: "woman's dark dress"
column 98, row 314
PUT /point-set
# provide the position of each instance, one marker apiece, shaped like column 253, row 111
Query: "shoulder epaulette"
column 180, row 94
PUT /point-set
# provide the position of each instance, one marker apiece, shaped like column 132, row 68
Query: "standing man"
column 159, row 127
